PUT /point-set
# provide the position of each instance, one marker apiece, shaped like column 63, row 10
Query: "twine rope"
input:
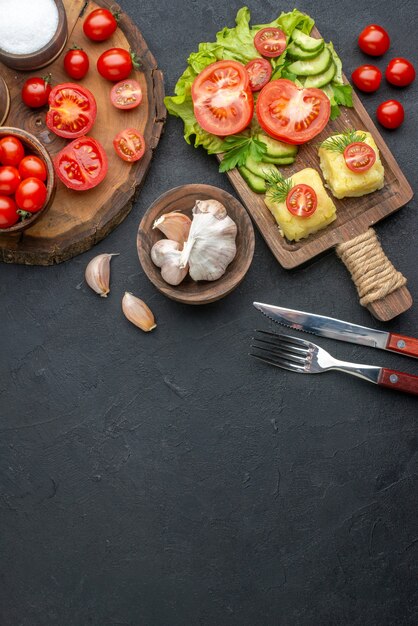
column 372, row 272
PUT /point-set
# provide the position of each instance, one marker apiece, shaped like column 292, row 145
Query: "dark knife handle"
column 402, row 344
column 398, row 381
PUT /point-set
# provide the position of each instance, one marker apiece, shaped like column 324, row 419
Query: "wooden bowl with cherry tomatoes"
column 27, row 180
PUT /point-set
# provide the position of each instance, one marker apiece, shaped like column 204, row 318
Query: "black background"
column 167, row 479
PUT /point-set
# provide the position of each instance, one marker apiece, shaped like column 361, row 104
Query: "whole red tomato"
column 9, row 180
column 400, row 72
column 32, row 167
column 374, row 40
column 100, row 24
column 116, row 64
column 31, row 195
column 76, row 63
column 367, row 78
column 11, row 151
column 35, row 91
column 8, row 212
column 390, row 114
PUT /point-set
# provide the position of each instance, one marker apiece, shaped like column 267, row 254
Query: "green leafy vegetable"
column 343, row 94
column 278, row 187
column 339, row 142
column 238, row 148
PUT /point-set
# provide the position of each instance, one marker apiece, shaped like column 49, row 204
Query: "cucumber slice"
column 279, row 160
column 294, row 52
column 277, row 148
column 307, row 43
column 256, row 183
column 260, row 168
column 320, row 80
column 313, row 67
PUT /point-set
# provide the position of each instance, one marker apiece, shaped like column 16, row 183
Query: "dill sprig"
column 339, row 142
column 277, row 186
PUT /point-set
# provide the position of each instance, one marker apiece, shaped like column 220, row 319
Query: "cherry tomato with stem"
column 11, row 151
column 9, row 180
column 76, row 63
column 36, row 90
column 8, row 212
column 116, row 64
column 302, row 200
column 31, row 195
column 32, row 167
column 400, row 72
column 259, row 71
column 374, row 40
column 367, row 78
column 390, row 114
column 129, row 145
column 270, row 42
column 100, row 24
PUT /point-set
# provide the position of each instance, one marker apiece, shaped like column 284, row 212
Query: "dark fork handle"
column 400, row 381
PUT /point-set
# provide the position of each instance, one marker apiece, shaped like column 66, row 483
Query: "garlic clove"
column 174, row 226
column 97, row 273
column 214, row 207
column 166, row 255
column 137, row 312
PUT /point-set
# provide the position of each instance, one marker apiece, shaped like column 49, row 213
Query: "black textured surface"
column 167, row 479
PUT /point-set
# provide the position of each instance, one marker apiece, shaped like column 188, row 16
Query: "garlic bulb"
column 97, row 274
column 174, row 225
column 137, row 312
column 166, row 255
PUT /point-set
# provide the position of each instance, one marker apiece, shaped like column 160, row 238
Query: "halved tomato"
column 72, row 110
column 129, row 145
column 291, row 114
column 302, row 200
column 259, row 72
column 82, row 164
column 270, row 42
column 222, row 98
column 359, row 156
column 127, row 94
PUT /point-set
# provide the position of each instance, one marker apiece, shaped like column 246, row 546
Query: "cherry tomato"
column 116, row 64
column 9, row 180
column 32, row 167
column 259, row 71
column 8, row 212
column 72, row 110
column 100, row 24
column 374, row 40
column 82, row 164
column 11, row 151
column 35, row 91
column 270, row 42
column 127, row 94
column 367, row 78
column 390, row 114
column 31, row 195
column 129, row 145
column 400, row 72
column 222, row 98
column 359, row 156
column 291, row 114
column 302, row 200
column 76, row 63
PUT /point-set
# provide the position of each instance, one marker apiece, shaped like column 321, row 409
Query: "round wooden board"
column 78, row 220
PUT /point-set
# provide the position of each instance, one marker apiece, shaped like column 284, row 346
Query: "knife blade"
column 338, row 329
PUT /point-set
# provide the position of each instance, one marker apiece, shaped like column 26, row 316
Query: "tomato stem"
column 75, row 47
column 47, row 78
column 24, row 214
column 135, row 61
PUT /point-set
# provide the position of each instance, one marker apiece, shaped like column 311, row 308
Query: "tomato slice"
column 72, row 110
column 359, row 156
column 270, row 42
column 82, row 164
column 222, row 98
column 259, row 72
column 302, row 200
column 129, row 145
column 291, row 114
column 127, row 94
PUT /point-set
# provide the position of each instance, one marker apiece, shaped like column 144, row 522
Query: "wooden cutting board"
column 78, row 220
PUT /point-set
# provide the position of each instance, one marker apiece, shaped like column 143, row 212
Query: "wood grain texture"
column 403, row 344
column 183, row 199
column 398, row 381
column 78, row 220
column 4, row 101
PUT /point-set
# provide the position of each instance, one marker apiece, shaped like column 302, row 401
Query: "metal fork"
column 304, row 357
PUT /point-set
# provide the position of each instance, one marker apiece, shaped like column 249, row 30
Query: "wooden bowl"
column 183, row 199
column 4, row 101
column 32, row 146
column 45, row 55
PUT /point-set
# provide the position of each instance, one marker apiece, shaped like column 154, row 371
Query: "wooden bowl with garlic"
column 196, row 243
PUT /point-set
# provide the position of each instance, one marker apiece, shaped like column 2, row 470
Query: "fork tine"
column 283, row 345
column 287, row 365
column 280, row 352
column 288, row 338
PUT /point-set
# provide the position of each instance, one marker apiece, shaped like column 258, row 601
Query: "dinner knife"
column 338, row 329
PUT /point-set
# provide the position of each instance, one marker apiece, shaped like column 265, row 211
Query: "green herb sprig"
column 238, row 148
column 339, row 142
column 277, row 186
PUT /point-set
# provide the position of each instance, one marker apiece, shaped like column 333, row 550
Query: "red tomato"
column 302, row 200
column 82, row 164
column 35, row 91
column 367, row 78
column 9, row 180
column 8, row 212
column 259, row 71
column 270, row 42
column 359, row 156
column 100, row 24
column 374, row 40
column 32, row 167
column 390, row 114
column 72, row 110
column 129, row 145
column 222, row 98
column 400, row 72
column 76, row 63
column 31, row 195
column 11, row 151
column 116, row 64
column 127, row 94
column 291, row 114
